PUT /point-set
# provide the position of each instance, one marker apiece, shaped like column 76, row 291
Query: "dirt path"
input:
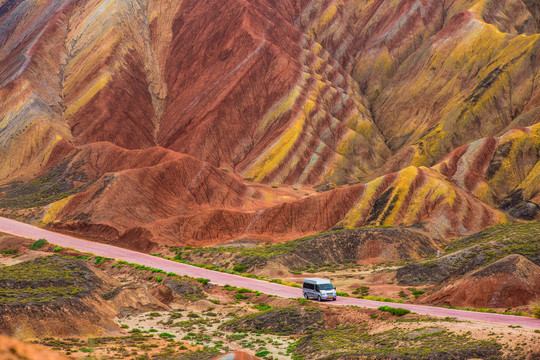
column 33, row 232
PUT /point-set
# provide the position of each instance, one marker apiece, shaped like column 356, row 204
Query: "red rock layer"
column 156, row 196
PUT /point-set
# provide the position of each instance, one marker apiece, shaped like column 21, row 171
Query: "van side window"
column 308, row 286
column 316, row 287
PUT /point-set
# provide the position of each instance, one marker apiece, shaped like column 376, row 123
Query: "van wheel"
column 319, row 298
column 306, row 296
column 334, row 299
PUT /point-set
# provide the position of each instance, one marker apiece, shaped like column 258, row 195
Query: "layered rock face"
column 197, row 122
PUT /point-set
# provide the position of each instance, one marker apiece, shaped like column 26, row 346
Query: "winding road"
column 33, row 232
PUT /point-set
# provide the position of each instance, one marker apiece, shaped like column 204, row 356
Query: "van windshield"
column 326, row 286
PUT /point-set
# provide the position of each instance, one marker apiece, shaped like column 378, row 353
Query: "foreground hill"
column 200, row 122
column 53, row 296
column 495, row 268
column 187, row 320
column 13, row 349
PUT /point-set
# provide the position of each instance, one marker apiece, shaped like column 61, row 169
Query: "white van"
column 321, row 289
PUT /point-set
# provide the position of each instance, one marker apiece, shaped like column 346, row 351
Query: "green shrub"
column 57, row 249
column 203, row 281
column 165, row 335
column 175, row 315
column 159, row 278
column 239, row 297
column 229, row 287
column 263, row 307
column 535, row 307
column 98, row 260
column 339, row 293
column 262, row 353
column 362, row 291
column 9, row 252
column 394, row 311
column 38, row 244
column 239, row 268
column 244, row 290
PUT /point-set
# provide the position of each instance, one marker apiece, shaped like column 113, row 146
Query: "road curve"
column 33, row 232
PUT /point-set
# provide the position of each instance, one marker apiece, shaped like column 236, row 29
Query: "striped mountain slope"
column 198, row 121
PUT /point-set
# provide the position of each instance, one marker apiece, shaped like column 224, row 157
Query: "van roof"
column 317, row 280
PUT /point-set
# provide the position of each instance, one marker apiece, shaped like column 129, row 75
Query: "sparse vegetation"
column 475, row 251
column 307, row 251
column 521, row 238
column 423, row 343
column 362, row 291
column 203, row 281
column 394, row 311
column 44, row 190
column 239, row 268
column 262, row 307
column 282, row 321
column 189, row 289
column 9, row 252
column 43, row 280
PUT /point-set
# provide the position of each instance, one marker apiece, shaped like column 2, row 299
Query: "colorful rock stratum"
column 198, row 122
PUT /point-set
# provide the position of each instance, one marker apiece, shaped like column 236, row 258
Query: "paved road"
column 32, row 232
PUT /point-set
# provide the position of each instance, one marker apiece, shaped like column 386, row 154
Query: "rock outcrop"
column 509, row 282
